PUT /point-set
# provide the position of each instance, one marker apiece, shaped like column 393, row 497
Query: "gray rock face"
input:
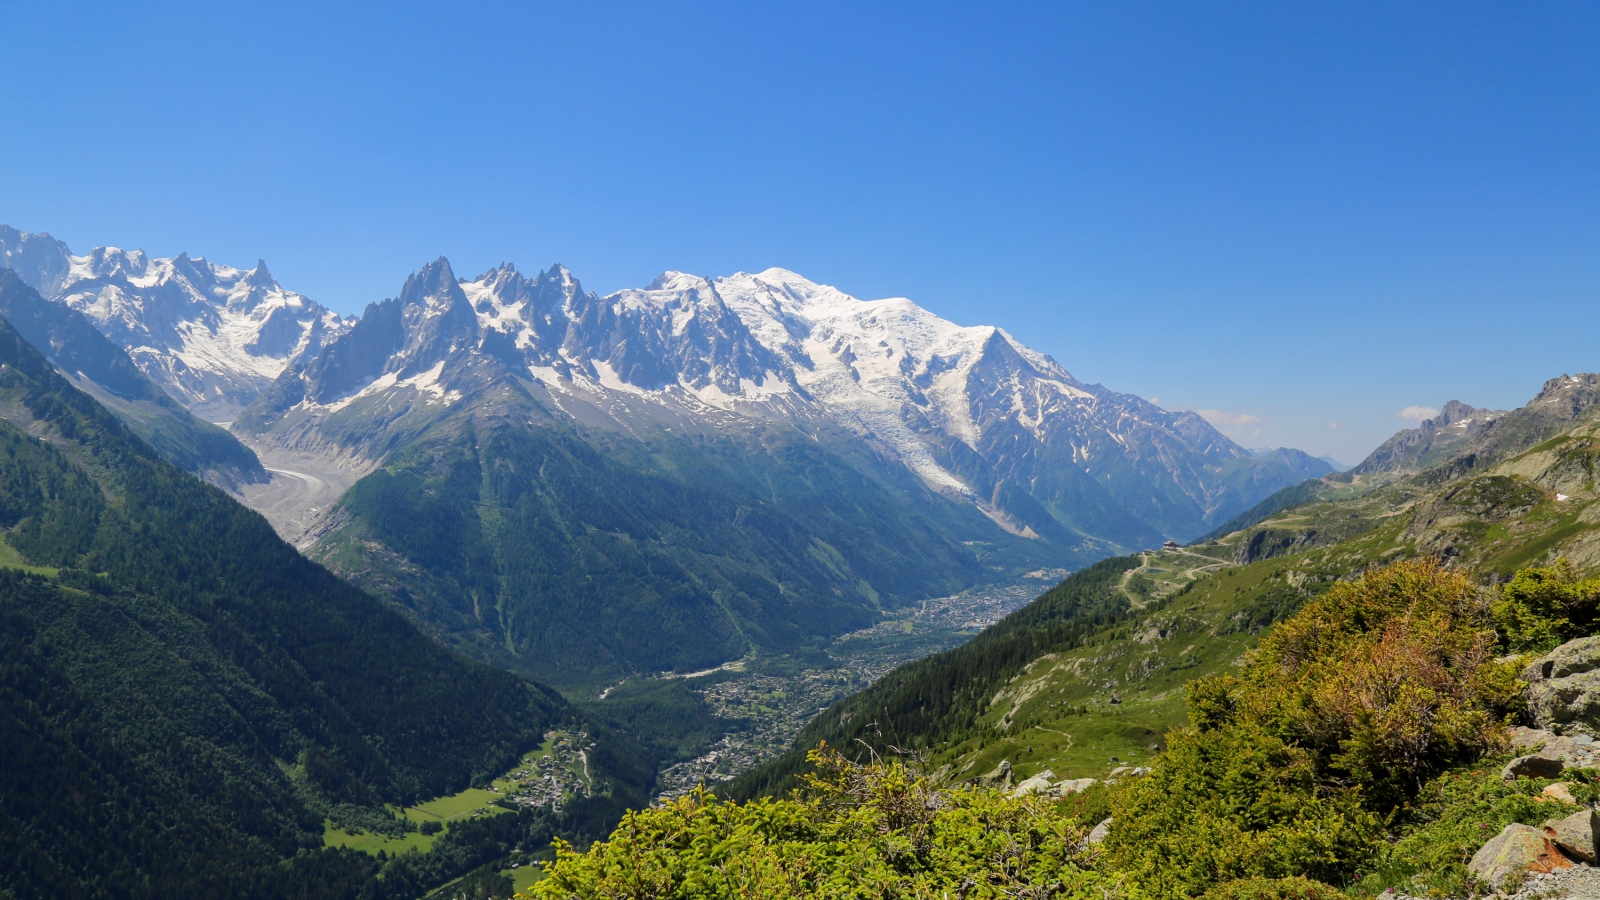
column 1574, row 751
column 1000, row 776
column 1515, row 853
column 1430, row 441
column 42, row 261
column 1037, row 784
column 1564, row 687
column 1576, row 834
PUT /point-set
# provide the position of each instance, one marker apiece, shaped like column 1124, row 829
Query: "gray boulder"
column 1035, row 785
column 1072, row 786
column 1564, row 687
column 1576, row 834
column 1538, row 766
column 1099, row 833
column 1514, row 854
column 1576, row 751
column 998, row 777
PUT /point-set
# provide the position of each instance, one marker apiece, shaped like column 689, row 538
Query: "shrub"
column 1274, row 889
column 1389, row 679
column 1232, row 803
column 1338, row 719
column 1543, row 607
column 859, row 831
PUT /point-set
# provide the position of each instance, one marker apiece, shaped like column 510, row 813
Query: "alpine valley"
column 582, row 488
column 527, row 558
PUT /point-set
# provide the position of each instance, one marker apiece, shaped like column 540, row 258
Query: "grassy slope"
column 1174, row 616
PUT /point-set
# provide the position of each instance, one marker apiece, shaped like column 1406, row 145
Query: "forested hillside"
column 940, row 699
column 185, row 699
column 1364, row 748
column 580, row 557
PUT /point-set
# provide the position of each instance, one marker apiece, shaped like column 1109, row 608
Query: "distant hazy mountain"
column 780, row 457
column 575, row 485
column 1414, row 449
column 212, row 336
column 1334, row 464
column 1459, row 439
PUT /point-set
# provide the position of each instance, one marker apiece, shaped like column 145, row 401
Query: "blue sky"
column 1301, row 214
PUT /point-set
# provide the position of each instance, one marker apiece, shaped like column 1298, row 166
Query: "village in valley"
column 775, row 706
column 550, row 775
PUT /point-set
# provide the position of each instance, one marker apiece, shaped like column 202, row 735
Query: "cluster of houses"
column 549, row 779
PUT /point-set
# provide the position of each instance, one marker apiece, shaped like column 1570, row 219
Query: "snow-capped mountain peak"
column 968, row 409
column 213, row 336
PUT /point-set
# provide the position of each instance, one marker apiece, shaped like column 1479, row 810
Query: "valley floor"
column 777, row 700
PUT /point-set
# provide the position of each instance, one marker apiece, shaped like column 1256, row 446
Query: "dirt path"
column 1211, row 562
column 1193, row 573
column 1062, row 733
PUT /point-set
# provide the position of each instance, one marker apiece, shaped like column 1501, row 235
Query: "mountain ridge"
column 506, row 402
column 92, row 363
column 969, row 410
column 212, row 336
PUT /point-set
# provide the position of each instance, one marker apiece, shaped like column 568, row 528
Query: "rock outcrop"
column 1514, row 854
column 1564, row 687
column 1574, row 751
column 1036, row 784
column 1072, row 786
column 1535, row 766
column 1099, row 833
column 1575, row 834
column 998, row 777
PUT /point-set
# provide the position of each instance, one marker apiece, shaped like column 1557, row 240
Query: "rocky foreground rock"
column 1564, row 688
column 1555, row 859
column 1515, row 853
column 1575, row 834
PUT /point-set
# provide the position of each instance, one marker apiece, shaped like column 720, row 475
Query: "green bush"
column 859, row 831
column 1541, row 608
column 1274, row 889
column 1234, row 803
